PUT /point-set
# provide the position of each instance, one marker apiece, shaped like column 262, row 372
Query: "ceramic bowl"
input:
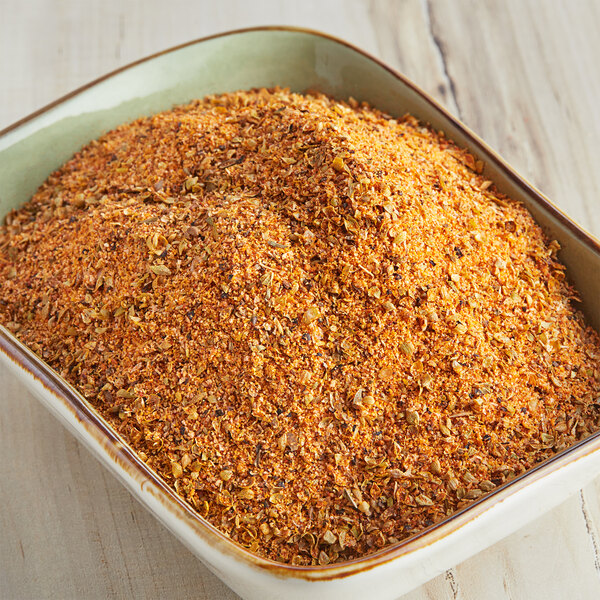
column 32, row 148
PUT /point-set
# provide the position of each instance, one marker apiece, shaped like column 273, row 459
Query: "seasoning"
column 322, row 326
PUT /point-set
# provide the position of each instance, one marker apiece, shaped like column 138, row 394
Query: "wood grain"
column 523, row 74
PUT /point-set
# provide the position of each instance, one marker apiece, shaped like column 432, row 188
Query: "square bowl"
column 265, row 57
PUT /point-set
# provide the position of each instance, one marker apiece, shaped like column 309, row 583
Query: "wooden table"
column 524, row 75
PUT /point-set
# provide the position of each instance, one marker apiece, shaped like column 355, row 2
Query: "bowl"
column 299, row 59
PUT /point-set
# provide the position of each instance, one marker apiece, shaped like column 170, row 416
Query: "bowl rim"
column 126, row 459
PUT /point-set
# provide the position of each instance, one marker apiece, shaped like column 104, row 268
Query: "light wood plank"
column 58, row 46
column 527, row 83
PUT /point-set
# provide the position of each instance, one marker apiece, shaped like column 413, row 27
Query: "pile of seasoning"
column 321, row 325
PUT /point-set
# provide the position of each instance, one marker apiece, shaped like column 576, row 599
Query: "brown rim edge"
column 128, row 458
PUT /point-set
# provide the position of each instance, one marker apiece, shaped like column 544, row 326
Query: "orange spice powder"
column 320, row 325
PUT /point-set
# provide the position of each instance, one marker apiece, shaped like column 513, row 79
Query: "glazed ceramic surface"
column 31, row 149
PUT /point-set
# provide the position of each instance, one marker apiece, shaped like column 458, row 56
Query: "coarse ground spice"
column 320, row 325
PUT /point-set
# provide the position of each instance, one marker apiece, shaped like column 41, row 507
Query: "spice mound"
column 320, row 325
